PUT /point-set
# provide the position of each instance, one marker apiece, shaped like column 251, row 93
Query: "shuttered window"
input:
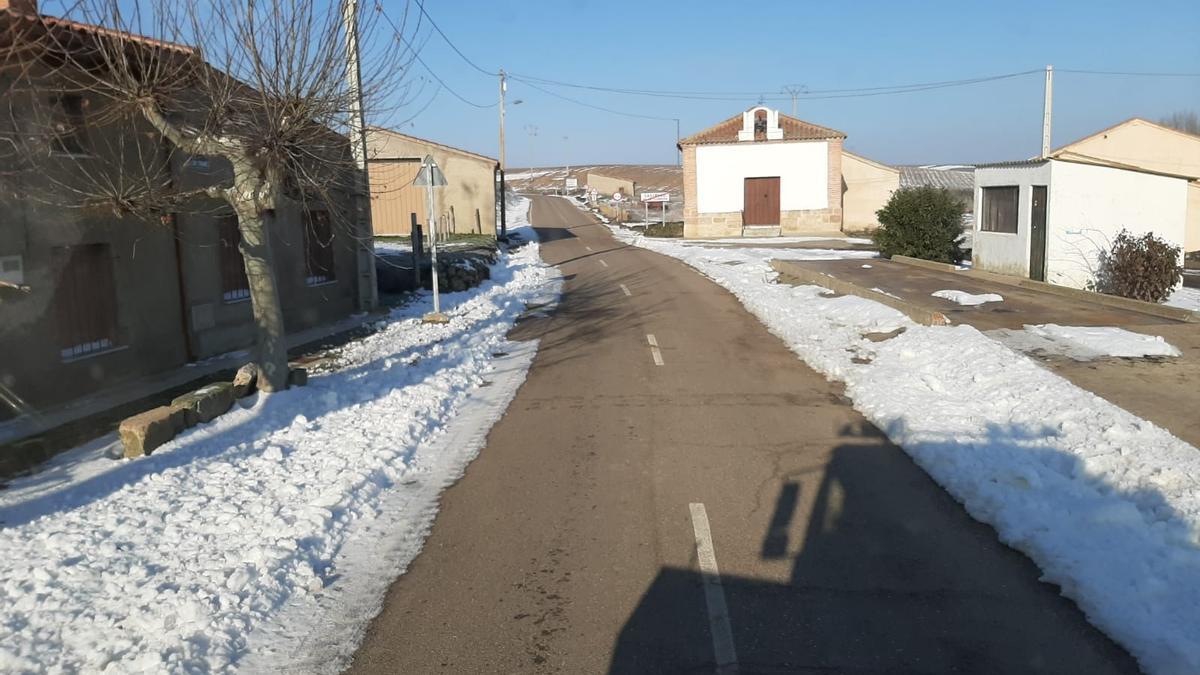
column 318, row 248
column 1000, row 209
column 85, row 300
column 234, row 284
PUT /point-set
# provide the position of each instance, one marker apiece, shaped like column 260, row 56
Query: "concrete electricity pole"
column 532, row 130
column 503, row 204
column 678, row 151
column 794, row 90
column 368, row 292
column 1047, row 111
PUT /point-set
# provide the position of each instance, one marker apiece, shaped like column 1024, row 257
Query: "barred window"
column 85, row 300
column 318, row 248
column 234, row 284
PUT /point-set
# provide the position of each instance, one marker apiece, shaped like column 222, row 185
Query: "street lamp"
column 429, row 177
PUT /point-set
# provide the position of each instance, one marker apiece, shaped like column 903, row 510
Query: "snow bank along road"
column 263, row 541
column 672, row 490
column 1106, row 504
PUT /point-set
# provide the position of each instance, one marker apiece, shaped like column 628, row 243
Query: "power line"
column 1124, row 73
column 590, row 105
column 417, row 56
column 445, row 37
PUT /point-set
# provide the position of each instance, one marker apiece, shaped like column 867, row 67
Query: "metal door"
column 1037, row 234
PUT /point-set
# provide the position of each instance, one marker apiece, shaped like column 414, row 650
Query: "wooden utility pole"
column 1047, row 107
column 364, row 236
column 503, row 187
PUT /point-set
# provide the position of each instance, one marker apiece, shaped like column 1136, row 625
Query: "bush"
column 664, row 230
column 1143, row 268
column 922, row 222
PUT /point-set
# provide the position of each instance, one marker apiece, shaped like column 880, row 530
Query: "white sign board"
column 572, row 183
column 617, row 196
column 656, row 197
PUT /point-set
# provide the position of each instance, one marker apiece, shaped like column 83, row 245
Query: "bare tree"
column 258, row 87
column 1188, row 121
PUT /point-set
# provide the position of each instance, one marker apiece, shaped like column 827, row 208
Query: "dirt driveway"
column 1165, row 391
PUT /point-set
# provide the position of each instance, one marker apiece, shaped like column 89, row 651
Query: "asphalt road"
column 576, row 542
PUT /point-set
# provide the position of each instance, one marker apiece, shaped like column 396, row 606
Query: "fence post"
column 417, row 250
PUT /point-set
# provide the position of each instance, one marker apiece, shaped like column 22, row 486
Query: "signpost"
column 429, row 177
column 572, row 184
column 649, row 198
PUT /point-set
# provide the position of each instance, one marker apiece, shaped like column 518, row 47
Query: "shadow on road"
column 888, row 574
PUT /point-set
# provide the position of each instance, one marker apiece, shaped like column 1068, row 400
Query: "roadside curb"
column 1162, row 311
column 791, row 270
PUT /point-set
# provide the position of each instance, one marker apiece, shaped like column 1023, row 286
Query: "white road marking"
column 588, row 247
column 654, row 350
column 625, row 290
column 714, row 593
column 604, row 263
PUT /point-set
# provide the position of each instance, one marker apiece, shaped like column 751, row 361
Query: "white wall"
column 803, row 170
column 1002, row 252
column 1089, row 205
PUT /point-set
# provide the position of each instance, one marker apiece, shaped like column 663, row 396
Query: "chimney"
column 20, row 6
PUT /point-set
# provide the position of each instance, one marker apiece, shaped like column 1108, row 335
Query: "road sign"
column 617, row 196
column 656, row 197
column 572, row 183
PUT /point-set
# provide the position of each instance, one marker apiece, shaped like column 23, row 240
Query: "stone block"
column 142, row 434
column 206, row 403
column 245, row 381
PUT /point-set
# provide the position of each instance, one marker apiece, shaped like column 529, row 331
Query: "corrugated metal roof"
column 955, row 178
column 793, row 130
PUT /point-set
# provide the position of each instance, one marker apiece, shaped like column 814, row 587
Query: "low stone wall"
column 721, row 225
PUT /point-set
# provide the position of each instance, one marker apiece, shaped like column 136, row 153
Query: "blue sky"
column 759, row 47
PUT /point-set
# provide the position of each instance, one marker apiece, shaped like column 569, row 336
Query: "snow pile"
column 293, row 505
column 1107, row 504
column 1185, row 298
column 1084, row 343
column 965, row 298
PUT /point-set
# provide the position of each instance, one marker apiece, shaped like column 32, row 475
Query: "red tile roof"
column 793, row 130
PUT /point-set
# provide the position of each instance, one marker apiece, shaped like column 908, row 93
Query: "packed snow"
column 1106, row 504
column 1085, row 343
column 1185, row 298
column 264, row 541
column 968, row 299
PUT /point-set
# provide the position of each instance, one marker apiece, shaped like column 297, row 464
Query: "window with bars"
column 234, row 284
column 318, row 248
column 1000, row 209
column 69, row 136
column 85, row 300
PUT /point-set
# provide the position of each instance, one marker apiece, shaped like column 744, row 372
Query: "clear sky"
column 761, row 46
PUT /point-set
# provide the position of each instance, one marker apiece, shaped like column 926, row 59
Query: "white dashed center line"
column 588, row 247
column 604, row 264
column 714, row 593
column 625, row 290
column 654, row 350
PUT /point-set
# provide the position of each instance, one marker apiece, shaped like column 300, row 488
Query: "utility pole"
column 678, row 150
column 368, row 292
column 532, row 130
column 503, row 190
column 1047, row 111
column 794, row 90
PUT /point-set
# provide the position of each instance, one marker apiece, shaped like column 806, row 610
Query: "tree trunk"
column 264, row 297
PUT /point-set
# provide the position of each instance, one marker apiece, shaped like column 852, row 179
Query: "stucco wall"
column 1191, row 238
column 802, row 167
column 1143, row 145
column 607, row 186
column 1002, row 252
column 867, row 186
column 1088, row 207
column 466, row 205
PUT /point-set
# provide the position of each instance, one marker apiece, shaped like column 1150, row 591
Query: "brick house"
column 93, row 299
column 762, row 173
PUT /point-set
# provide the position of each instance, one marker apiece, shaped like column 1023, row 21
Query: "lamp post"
column 429, row 177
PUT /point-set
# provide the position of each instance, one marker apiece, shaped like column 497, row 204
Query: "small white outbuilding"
column 1049, row 219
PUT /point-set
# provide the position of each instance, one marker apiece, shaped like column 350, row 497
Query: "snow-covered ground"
column 264, row 541
column 1106, row 504
column 968, row 299
column 1186, row 298
column 1085, row 343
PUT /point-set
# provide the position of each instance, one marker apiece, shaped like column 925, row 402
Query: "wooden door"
column 1037, row 234
column 761, row 205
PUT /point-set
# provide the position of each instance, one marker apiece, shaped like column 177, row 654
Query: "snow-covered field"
column 264, row 541
column 1106, row 504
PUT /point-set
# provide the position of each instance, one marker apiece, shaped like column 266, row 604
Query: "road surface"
column 672, row 490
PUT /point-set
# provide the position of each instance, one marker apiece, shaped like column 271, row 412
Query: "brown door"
column 761, row 205
column 1037, row 234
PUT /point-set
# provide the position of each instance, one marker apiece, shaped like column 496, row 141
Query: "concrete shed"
column 1049, row 219
column 467, row 205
